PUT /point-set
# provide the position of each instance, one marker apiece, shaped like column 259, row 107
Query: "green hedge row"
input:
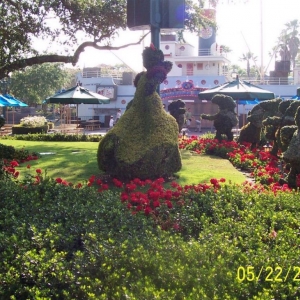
column 57, row 242
column 54, row 137
column 26, row 130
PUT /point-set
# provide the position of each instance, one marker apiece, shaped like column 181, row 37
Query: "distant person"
column 188, row 118
column 111, row 122
column 198, row 122
column 119, row 114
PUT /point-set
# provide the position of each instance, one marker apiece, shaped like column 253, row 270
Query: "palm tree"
column 289, row 42
column 293, row 39
column 248, row 57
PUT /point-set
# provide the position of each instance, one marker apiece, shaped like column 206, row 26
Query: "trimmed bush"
column 19, row 129
column 54, row 137
column 59, row 242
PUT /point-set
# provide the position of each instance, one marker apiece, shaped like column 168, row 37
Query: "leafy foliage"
column 36, row 83
column 78, row 24
column 54, row 137
column 63, row 242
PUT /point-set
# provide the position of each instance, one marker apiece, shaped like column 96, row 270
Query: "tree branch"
column 26, row 62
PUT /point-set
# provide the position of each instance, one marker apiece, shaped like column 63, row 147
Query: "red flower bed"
column 262, row 165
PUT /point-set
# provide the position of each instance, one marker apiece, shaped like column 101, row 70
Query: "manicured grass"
column 201, row 168
column 77, row 161
column 72, row 161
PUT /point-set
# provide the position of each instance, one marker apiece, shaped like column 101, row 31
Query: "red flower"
column 117, row 183
column 130, row 187
column 105, row 186
column 14, row 163
column 147, row 210
column 39, row 171
column 156, row 203
column 58, row 180
column 124, row 197
column 28, row 166
column 214, row 181
column 169, row 204
column 92, row 179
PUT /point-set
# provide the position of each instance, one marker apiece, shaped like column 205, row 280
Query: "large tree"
column 73, row 24
column 40, row 81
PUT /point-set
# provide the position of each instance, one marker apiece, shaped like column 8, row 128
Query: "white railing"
column 269, row 80
column 98, row 73
column 209, row 52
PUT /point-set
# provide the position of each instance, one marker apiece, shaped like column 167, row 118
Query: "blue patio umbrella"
column 248, row 102
column 15, row 100
column 7, row 102
column 296, row 98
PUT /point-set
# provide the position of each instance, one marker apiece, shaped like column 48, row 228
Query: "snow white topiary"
column 144, row 142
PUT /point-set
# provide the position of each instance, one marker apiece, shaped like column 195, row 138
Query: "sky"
column 239, row 27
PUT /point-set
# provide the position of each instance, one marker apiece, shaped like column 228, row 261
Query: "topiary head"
column 152, row 57
column 224, row 102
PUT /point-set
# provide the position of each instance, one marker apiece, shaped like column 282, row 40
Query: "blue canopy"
column 6, row 102
column 248, row 102
column 296, row 98
column 14, row 100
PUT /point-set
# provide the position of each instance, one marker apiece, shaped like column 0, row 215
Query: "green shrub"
column 61, row 242
column 7, row 152
column 19, row 129
column 54, row 137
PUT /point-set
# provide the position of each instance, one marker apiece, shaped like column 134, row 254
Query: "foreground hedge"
column 60, row 242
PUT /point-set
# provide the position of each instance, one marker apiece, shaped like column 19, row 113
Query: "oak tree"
column 72, row 24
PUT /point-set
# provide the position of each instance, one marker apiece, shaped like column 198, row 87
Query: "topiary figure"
column 286, row 134
column 144, row 142
column 251, row 132
column 274, row 124
column 292, row 154
column 225, row 119
column 177, row 110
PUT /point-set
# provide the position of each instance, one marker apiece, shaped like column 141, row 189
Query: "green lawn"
column 76, row 162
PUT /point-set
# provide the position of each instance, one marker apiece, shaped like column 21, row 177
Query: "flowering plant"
column 33, row 121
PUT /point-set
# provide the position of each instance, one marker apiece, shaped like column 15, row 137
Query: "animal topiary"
column 177, row 110
column 292, row 154
column 287, row 110
column 144, row 142
column 225, row 119
column 252, row 131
